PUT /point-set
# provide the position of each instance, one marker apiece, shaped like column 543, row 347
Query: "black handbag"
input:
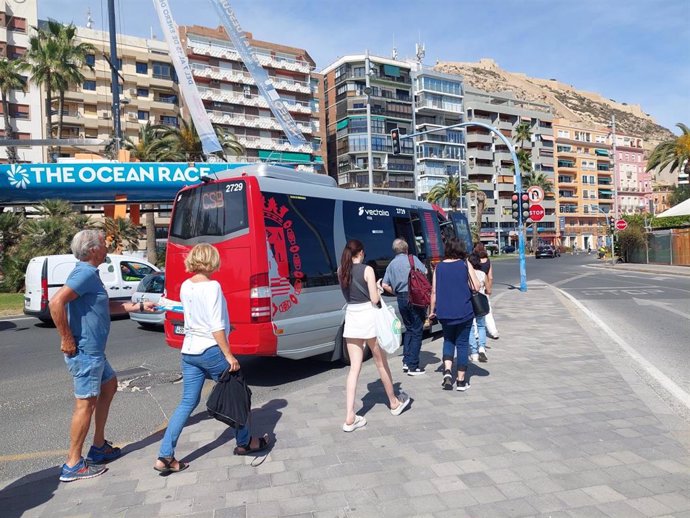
column 231, row 399
column 480, row 302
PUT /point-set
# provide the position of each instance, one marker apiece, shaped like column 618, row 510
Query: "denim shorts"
column 89, row 373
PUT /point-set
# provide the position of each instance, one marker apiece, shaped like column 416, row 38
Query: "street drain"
column 148, row 380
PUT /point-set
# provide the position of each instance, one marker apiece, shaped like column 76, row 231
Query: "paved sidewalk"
column 646, row 268
column 556, row 424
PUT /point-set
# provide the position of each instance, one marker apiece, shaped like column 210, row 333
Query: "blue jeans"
column 456, row 338
column 477, row 342
column 413, row 318
column 196, row 368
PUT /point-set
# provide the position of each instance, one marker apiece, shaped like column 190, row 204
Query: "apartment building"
column 585, row 183
column 148, row 90
column 233, row 101
column 634, row 184
column 25, row 110
column 438, row 102
column 345, row 107
column 490, row 165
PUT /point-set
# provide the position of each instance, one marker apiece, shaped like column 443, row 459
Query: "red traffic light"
column 514, row 197
column 524, row 196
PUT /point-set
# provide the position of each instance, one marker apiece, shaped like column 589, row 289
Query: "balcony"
column 223, row 52
column 272, row 144
column 258, row 101
column 239, row 76
column 251, row 121
column 566, row 164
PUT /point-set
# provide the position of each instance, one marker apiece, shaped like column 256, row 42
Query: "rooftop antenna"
column 89, row 20
column 394, row 54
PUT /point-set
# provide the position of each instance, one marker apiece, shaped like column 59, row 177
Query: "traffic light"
column 524, row 205
column 395, row 137
column 612, row 227
column 515, row 205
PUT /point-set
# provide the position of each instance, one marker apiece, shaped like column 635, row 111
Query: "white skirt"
column 359, row 321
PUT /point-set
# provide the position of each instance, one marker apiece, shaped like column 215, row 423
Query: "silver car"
column 150, row 288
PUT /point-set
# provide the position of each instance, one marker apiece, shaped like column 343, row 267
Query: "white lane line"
column 17, row 319
column 666, row 306
column 659, row 376
column 570, row 279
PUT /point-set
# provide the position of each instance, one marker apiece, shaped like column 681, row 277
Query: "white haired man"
column 81, row 315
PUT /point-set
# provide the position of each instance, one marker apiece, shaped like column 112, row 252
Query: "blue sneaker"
column 104, row 454
column 81, row 471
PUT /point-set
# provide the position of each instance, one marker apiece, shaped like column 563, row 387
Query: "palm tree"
column 537, row 179
column 120, row 234
column 186, row 143
column 674, row 153
column 448, row 190
column 523, row 133
column 54, row 61
column 10, row 79
column 151, row 144
column 73, row 59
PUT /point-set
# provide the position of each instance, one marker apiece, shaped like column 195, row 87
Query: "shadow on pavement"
column 6, row 325
column 28, row 492
column 274, row 372
column 376, row 395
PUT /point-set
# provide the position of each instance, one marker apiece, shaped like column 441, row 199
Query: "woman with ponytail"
column 358, row 284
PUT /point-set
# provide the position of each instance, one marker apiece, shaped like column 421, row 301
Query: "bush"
column 630, row 240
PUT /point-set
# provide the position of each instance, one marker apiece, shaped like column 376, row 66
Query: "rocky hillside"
column 567, row 101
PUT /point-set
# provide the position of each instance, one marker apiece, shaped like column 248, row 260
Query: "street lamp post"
column 518, row 181
column 367, row 91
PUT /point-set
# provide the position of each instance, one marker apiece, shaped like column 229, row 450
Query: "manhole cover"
column 148, row 380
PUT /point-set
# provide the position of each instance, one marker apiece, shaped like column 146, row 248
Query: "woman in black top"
column 358, row 283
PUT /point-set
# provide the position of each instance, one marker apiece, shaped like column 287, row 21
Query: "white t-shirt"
column 205, row 311
column 481, row 277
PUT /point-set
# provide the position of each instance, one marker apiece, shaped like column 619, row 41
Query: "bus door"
column 427, row 236
column 306, row 302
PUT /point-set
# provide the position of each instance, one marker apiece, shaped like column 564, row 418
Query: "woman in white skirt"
column 358, row 284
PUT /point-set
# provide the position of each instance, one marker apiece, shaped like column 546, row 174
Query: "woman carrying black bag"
column 205, row 354
column 451, row 303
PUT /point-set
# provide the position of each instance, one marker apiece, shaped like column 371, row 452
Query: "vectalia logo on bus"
column 372, row 212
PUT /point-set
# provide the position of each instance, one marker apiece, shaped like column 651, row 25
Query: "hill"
column 568, row 102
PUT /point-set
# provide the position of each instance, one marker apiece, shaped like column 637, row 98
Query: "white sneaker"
column 357, row 423
column 474, row 357
column 404, row 402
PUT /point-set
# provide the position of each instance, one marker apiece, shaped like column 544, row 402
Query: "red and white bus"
column 280, row 235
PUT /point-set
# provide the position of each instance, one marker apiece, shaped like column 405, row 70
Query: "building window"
column 89, row 85
column 90, row 60
column 167, row 98
column 169, row 120
column 142, row 92
column 563, row 133
column 143, row 115
column 162, row 70
column 142, row 68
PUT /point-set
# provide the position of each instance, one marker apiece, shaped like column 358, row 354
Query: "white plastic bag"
column 388, row 328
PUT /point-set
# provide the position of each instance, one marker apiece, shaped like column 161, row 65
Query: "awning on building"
column 391, row 70
column 601, row 152
column 284, row 156
column 342, row 124
column 525, row 118
column 547, row 137
column 605, row 191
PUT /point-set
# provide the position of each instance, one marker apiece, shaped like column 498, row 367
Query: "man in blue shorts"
column 81, row 315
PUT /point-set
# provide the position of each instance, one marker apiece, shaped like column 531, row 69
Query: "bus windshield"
column 210, row 210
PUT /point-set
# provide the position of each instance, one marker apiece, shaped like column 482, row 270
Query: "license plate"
column 179, row 330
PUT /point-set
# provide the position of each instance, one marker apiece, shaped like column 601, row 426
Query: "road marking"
column 663, row 305
column 659, row 376
column 17, row 319
column 32, row 455
column 594, row 292
column 564, row 281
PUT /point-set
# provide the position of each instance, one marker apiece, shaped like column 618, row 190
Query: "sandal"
column 167, row 466
column 247, row 448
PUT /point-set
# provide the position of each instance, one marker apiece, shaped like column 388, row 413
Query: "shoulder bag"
column 480, row 302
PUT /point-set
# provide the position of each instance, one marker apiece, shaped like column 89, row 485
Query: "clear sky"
column 634, row 51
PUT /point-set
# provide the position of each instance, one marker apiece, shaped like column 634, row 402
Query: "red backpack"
column 418, row 287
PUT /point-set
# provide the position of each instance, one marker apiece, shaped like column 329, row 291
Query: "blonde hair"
column 203, row 258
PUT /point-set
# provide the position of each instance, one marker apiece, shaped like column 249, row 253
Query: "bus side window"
column 403, row 229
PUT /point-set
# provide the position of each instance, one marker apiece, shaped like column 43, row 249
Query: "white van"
column 46, row 274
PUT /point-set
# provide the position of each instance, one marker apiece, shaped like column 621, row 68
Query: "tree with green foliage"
column 674, row 153
column 451, row 191
column 185, row 144
column 120, row 234
column 10, row 80
column 48, row 234
column 679, row 193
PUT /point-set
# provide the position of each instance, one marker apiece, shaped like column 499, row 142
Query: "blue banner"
column 94, row 182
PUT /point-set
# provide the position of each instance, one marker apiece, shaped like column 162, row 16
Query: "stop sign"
column 536, row 212
column 621, row 224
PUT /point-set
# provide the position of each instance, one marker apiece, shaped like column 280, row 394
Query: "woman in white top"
column 205, row 353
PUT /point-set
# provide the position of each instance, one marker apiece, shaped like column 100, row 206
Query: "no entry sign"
column 621, row 224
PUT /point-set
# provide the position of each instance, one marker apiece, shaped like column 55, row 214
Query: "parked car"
column 545, row 251
column 508, row 249
column 46, row 274
column 150, row 288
